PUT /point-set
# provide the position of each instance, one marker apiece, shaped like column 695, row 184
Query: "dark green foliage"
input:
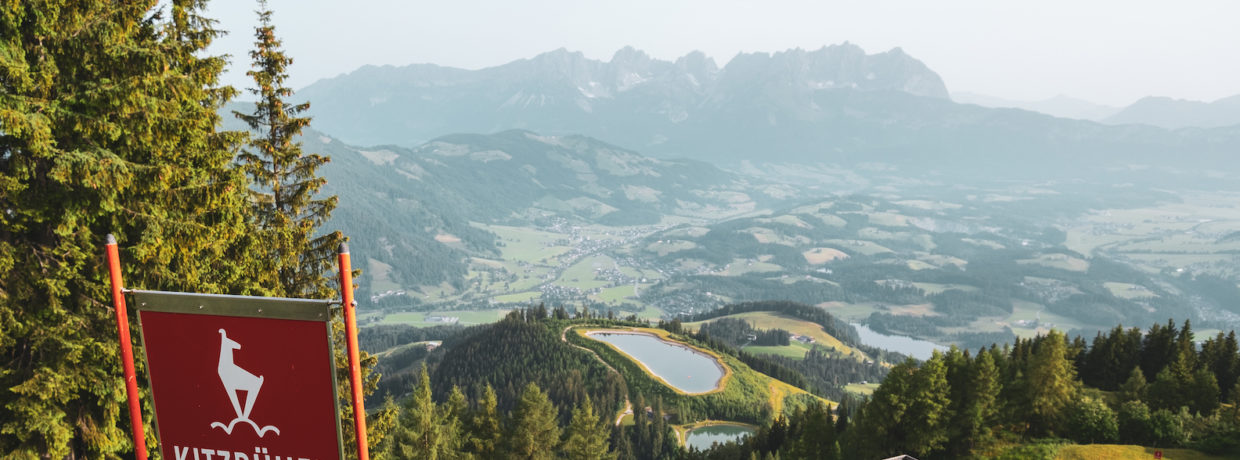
column 1134, row 389
column 533, row 432
column 1133, row 420
column 1167, row 428
column 586, row 435
column 1111, row 357
column 1090, row 421
column 508, row 354
column 955, row 405
column 109, row 125
column 375, row 339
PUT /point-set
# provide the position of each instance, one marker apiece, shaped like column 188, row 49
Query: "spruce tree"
column 975, row 421
column 586, row 437
column 928, row 412
column 817, row 435
column 109, row 115
column 484, row 426
column 1222, row 356
column 287, row 212
column 534, row 434
column 455, row 414
column 285, row 180
column 420, row 434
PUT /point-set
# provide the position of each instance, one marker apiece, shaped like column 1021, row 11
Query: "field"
column 794, row 350
column 527, row 244
column 1119, row 452
column 818, row 256
column 1060, row 261
column 851, row 312
column 935, row 288
column 1129, row 291
column 864, row 389
column 464, row 317
column 1187, row 235
column 583, row 274
column 770, row 320
column 379, row 276
column 864, row 247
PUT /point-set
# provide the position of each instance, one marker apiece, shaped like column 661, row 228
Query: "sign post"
column 241, row 377
column 355, row 369
column 122, row 329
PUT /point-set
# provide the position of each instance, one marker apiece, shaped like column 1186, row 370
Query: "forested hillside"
column 1027, row 399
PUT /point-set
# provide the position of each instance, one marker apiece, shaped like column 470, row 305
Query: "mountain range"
column 835, row 105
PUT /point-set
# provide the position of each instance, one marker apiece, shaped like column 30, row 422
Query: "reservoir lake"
column 703, row 437
column 683, row 368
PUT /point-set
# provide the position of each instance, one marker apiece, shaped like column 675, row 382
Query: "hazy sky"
column 1104, row 51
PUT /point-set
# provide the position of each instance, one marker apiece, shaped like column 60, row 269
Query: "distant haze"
column 1105, row 52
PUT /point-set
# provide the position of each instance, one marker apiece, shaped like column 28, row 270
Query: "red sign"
column 239, row 387
column 1157, row 454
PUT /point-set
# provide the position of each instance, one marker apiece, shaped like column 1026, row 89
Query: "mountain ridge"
column 563, row 92
column 833, row 106
column 1172, row 113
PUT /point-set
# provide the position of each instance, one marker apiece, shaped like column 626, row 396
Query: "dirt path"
column 628, row 407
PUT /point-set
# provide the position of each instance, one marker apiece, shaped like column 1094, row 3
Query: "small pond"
column 919, row 349
column 702, row 437
column 683, row 368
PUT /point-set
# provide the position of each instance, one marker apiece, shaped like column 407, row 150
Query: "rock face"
column 631, row 95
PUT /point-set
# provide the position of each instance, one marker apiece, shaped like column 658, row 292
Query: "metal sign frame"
column 244, row 307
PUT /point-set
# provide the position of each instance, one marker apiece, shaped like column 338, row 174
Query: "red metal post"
column 122, row 329
column 355, row 367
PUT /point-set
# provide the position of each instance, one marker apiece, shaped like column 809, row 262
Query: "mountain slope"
column 1059, row 106
column 420, row 209
column 1178, row 113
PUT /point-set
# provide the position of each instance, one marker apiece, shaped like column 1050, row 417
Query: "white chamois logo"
column 235, row 380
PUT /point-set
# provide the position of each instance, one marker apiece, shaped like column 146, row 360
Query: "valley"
column 966, row 267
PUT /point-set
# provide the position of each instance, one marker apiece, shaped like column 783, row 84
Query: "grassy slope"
column 1113, row 451
column 772, row 320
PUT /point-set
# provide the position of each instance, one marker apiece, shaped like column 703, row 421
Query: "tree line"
column 110, row 123
column 997, row 401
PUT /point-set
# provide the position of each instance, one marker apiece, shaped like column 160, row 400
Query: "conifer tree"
column 420, row 435
column 928, row 411
column 817, row 435
column 974, row 423
column 284, row 178
column 586, row 437
column 287, row 212
column 455, row 413
column 1221, row 355
column 108, row 124
column 1171, row 388
column 882, row 425
column 1051, row 383
column 484, row 426
column 534, row 434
